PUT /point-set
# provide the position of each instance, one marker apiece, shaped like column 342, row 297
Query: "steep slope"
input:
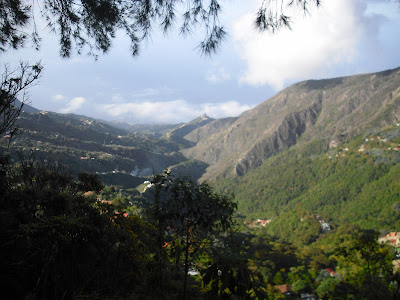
column 84, row 144
column 209, row 129
column 356, row 182
column 328, row 110
column 186, row 128
column 177, row 134
column 26, row 107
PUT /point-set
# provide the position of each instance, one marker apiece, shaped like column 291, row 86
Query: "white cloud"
column 330, row 35
column 117, row 99
column 59, row 98
column 217, row 75
column 171, row 111
column 151, row 92
column 225, row 109
column 73, row 105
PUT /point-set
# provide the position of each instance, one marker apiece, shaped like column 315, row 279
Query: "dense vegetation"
column 175, row 239
column 355, row 182
column 65, row 237
column 171, row 238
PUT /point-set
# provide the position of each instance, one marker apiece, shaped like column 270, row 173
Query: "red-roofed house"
column 392, row 237
column 88, row 194
column 285, row 289
column 331, row 272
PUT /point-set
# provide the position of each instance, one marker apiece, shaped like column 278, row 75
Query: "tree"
column 94, row 23
column 56, row 244
column 368, row 266
column 90, row 182
column 271, row 15
column 188, row 217
column 12, row 83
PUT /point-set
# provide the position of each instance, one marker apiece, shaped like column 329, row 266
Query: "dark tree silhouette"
column 91, row 25
column 11, row 84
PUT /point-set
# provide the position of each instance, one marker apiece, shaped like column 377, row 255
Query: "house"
column 308, row 296
column 88, row 194
column 105, row 201
column 331, row 272
column 284, row 289
column 193, row 272
column 325, row 226
column 123, row 214
column 263, row 222
column 393, row 238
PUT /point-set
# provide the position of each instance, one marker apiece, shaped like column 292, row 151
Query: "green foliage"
column 191, row 168
column 93, row 24
column 57, row 244
column 90, row 182
column 13, row 15
column 367, row 267
column 192, row 213
column 334, row 184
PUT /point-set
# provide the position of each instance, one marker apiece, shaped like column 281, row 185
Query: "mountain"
column 324, row 112
column 328, row 147
column 210, row 128
column 283, row 152
column 26, row 107
column 178, row 134
column 156, row 130
column 186, row 128
column 80, row 143
column 353, row 182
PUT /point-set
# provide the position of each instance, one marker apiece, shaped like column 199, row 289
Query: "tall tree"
column 189, row 216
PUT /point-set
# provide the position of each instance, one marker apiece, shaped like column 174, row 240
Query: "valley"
column 331, row 146
column 313, row 172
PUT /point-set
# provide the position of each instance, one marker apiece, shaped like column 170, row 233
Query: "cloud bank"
column 73, row 105
column 171, row 111
column 217, row 75
column 330, row 35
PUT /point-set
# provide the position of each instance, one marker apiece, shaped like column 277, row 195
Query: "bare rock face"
column 328, row 110
column 209, row 129
column 287, row 134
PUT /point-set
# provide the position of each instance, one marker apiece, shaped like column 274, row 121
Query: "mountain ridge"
column 327, row 109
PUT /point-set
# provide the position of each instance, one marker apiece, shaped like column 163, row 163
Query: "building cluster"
column 393, row 238
column 324, row 225
column 286, row 290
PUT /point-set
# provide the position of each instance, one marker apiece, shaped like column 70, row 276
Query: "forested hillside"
column 81, row 144
column 354, row 182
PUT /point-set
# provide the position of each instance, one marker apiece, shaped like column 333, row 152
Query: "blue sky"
column 170, row 82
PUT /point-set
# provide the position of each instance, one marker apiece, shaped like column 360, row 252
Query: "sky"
column 171, row 82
